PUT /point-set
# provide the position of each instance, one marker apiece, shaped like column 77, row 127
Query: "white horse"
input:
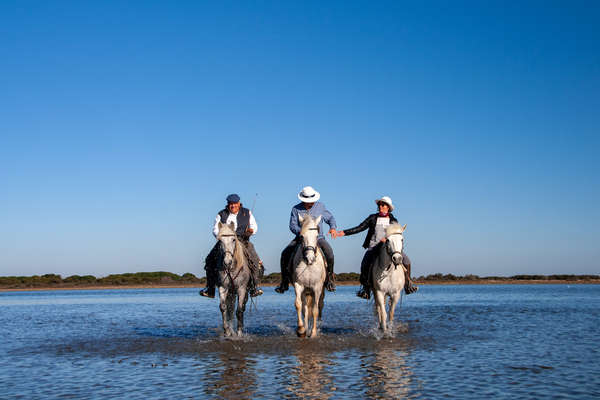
column 388, row 274
column 234, row 277
column 308, row 276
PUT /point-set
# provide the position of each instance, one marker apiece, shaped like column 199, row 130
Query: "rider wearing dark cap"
column 245, row 226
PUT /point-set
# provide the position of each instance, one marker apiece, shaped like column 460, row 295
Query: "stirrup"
column 364, row 293
column 330, row 286
column 281, row 288
column 410, row 288
column 256, row 292
column 206, row 292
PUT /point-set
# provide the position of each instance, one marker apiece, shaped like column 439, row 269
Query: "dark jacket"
column 369, row 223
column 243, row 221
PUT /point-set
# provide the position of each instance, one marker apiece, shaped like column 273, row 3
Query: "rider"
column 245, row 226
column 377, row 223
column 309, row 205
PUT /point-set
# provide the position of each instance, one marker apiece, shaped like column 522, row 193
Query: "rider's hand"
column 341, row 233
column 383, row 240
column 249, row 231
column 333, row 233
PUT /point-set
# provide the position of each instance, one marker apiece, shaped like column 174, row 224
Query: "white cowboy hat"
column 308, row 195
column 386, row 200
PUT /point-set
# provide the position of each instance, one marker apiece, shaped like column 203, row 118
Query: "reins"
column 227, row 269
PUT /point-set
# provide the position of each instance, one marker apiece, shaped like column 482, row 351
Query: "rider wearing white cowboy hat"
column 311, row 205
column 245, row 226
column 376, row 223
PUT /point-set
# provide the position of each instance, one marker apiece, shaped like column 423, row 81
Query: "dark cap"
column 233, row 198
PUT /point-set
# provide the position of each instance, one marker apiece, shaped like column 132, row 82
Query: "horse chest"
column 389, row 279
column 309, row 275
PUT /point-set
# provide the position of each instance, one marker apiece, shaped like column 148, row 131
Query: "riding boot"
column 364, row 292
column 285, row 281
column 365, row 268
column 211, row 273
column 409, row 286
column 208, row 292
column 284, row 263
column 255, row 290
column 330, row 279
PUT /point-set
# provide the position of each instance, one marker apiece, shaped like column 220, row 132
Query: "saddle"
column 297, row 257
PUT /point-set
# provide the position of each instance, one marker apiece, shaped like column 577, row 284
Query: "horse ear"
column 232, row 226
column 318, row 220
column 404, row 227
column 220, row 225
column 300, row 218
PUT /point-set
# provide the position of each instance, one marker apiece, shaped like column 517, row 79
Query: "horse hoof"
column 301, row 333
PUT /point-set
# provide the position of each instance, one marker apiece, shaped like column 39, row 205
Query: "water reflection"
column 310, row 377
column 387, row 374
column 232, row 376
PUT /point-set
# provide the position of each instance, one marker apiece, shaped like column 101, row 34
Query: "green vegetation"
column 138, row 278
column 449, row 278
column 163, row 278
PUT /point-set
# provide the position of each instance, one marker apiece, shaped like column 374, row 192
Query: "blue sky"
column 124, row 126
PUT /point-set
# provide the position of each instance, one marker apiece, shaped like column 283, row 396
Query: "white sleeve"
column 253, row 225
column 216, row 226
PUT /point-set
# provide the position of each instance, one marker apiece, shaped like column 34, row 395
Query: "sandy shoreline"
column 347, row 283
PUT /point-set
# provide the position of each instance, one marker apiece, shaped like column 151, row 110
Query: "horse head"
column 228, row 241
column 395, row 242
column 310, row 235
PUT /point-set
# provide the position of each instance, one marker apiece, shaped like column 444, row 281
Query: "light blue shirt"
column 317, row 209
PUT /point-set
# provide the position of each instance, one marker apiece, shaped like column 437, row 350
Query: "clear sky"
column 123, row 126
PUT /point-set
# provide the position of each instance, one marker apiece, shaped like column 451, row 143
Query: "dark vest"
column 243, row 220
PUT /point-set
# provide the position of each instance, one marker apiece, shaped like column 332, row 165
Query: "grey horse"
column 388, row 274
column 234, row 278
column 308, row 277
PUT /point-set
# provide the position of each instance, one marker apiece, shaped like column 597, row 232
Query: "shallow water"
column 506, row 341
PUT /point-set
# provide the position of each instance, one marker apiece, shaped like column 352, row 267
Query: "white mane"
column 394, row 228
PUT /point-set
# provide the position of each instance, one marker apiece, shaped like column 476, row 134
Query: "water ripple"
column 458, row 342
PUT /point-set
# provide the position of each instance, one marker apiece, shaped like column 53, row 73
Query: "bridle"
column 225, row 251
column 306, row 249
column 227, row 268
column 393, row 253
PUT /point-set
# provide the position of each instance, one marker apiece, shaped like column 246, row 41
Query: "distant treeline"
column 138, row 278
column 449, row 277
column 168, row 278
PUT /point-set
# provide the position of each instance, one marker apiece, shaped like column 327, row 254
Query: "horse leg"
column 241, row 308
column 305, row 310
column 300, row 330
column 223, row 295
column 393, row 302
column 321, row 304
column 380, row 300
column 315, row 312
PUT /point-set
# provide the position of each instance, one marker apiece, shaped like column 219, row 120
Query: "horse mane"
column 239, row 252
column 393, row 229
